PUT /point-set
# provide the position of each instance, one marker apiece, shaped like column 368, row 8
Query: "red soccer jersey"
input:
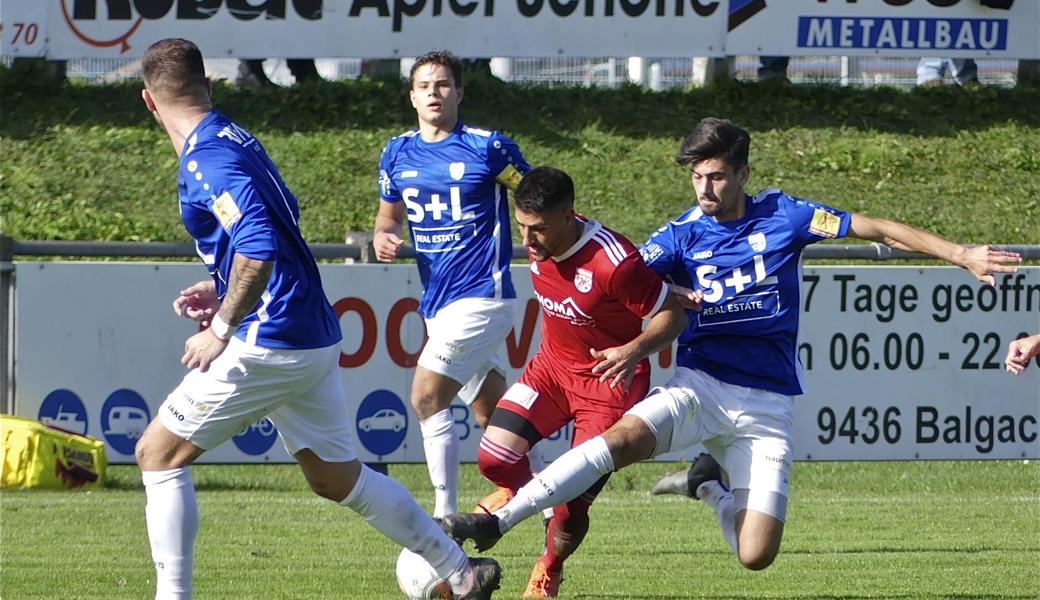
column 595, row 295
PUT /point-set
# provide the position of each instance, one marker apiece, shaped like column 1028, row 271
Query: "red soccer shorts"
column 549, row 396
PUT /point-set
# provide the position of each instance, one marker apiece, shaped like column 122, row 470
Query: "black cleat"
column 481, row 528
column 486, row 577
column 685, row 483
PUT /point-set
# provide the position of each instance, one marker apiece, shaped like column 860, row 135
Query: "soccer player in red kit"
column 595, row 291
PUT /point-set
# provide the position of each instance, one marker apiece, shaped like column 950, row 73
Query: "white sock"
column 537, row 462
column 386, row 505
column 535, row 458
column 564, row 480
column 172, row 518
column 442, row 460
column 721, row 499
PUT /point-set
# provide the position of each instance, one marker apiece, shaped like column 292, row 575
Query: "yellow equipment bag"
column 41, row 456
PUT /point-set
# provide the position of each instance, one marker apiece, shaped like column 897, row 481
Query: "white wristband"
column 220, row 328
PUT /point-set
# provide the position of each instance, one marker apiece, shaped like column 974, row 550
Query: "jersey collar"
column 592, row 227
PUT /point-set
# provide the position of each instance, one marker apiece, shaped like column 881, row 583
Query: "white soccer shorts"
column 464, row 341
column 747, row 430
column 298, row 390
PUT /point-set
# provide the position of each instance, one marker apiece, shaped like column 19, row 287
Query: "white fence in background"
column 597, row 71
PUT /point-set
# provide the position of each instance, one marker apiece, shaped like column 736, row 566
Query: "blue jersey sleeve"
column 662, row 252
column 505, row 161
column 387, row 190
column 812, row 221
column 228, row 191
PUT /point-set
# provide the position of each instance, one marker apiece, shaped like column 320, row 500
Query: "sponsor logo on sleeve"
column 824, row 223
column 509, row 177
column 651, row 252
column 227, row 210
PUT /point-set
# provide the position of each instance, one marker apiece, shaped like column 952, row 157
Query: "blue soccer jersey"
column 750, row 273
column 454, row 191
column 233, row 201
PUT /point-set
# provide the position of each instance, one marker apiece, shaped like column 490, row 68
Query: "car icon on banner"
column 382, row 423
column 386, row 419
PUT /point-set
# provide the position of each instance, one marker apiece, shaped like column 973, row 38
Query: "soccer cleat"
column 543, row 583
column 494, row 501
column 481, row 528
column 487, row 574
column 685, row 483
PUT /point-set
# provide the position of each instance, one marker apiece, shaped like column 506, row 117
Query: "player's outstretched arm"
column 1020, row 352
column 982, row 261
column 619, row 363
column 386, row 235
column 246, row 284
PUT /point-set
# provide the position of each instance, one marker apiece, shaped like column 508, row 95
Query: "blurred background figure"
column 932, row 71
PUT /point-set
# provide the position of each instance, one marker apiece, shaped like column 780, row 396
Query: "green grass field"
column 959, row 530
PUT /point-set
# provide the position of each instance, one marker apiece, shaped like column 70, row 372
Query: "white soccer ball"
column 418, row 580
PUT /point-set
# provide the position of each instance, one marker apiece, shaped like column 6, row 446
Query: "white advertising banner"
column 944, row 28
column 23, row 28
column 383, row 28
column 901, row 362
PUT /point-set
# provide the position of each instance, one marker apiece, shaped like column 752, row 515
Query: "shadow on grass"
column 548, row 114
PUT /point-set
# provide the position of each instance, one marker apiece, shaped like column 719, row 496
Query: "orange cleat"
column 494, row 501
column 543, row 583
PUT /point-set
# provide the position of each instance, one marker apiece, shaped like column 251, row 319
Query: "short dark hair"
column 173, row 68
column 544, row 189
column 438, row 57
column 715, row 138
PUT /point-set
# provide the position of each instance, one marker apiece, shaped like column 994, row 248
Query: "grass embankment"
column 87, row 162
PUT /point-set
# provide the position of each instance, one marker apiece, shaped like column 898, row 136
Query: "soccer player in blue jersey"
column 450, row 180
column 735, row 260
column 271, row 347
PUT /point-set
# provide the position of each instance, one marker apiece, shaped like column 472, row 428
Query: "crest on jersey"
column 583, row 280
column 757, row 241
column 534, row 267
column 457, row 170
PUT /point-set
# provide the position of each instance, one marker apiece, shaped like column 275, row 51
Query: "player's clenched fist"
column 1020, row 352
column 386, row 245
column 687, row 298
column 202, row 349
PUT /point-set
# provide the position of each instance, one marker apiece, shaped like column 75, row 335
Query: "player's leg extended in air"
column 751, row 515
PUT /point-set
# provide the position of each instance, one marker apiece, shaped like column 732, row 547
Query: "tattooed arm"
column 246, row 284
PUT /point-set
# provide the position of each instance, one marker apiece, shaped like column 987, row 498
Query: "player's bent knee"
column 158, row 449
column 330, row 480
column 756, row 559
column 630, row 440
